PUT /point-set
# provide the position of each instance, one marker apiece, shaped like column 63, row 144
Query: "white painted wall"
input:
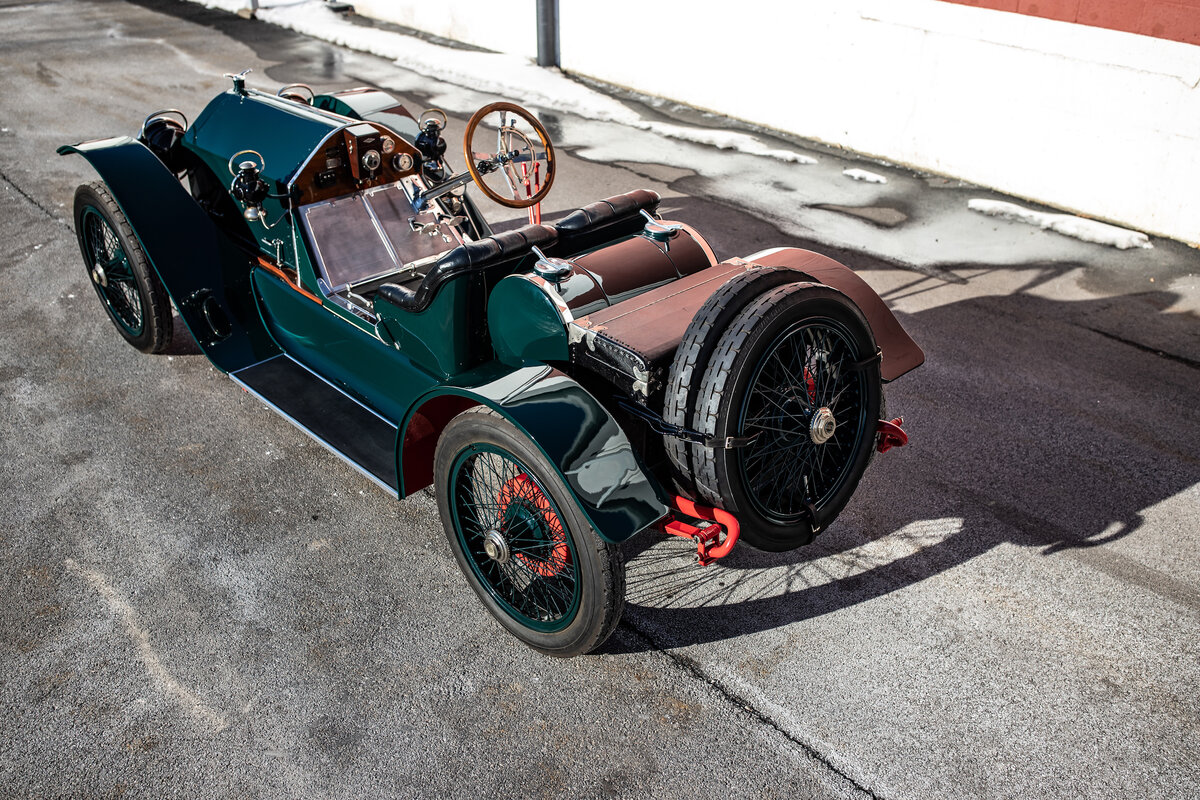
column 1099, row 122
column 506, row 26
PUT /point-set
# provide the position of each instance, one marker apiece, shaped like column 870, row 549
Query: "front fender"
column 578, row 436
column 205, row 273
column 900, row 353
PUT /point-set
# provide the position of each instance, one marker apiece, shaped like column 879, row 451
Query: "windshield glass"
column 369, row 234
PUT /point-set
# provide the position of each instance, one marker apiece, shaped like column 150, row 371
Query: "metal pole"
column 547, row 33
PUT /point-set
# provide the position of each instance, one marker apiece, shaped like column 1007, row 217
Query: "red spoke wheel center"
column 526, row 513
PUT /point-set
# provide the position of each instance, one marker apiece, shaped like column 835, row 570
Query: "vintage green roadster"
column 562, row 387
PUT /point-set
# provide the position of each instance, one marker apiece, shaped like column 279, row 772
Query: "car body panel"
column 282, row 134
column 591, row 452
column 445, row 338
column 350, row 357
column 371, row 104
column 205, row 273
column 525, row 322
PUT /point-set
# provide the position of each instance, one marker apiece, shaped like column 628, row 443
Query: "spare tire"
column 796, row 371
column 699, row 341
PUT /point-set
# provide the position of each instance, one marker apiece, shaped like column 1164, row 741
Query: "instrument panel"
column 359, row 156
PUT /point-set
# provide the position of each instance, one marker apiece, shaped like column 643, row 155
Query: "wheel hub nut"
column 823, row 426
column 98, row 276
column 495, row 547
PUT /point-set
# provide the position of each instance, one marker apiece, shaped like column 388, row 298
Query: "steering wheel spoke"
column 522, row 156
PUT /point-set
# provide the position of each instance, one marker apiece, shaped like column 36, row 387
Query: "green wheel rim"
column 111, row 273
column 532, row 567
column 810, row 366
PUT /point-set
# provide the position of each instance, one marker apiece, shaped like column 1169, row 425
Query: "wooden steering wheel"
column 509, row 156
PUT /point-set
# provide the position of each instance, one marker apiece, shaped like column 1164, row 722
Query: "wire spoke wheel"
column 785, row 366
column 520, row 538
column 111, row 273
column 806, row 378
column 119, row 271
column 514, row 537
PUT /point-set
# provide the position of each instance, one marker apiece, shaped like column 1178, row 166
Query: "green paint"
column 525, row 324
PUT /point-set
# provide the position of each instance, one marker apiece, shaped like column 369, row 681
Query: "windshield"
column 368, row 234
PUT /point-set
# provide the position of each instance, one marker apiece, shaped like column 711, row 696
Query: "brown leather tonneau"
column 634, row 341
column 652, row 324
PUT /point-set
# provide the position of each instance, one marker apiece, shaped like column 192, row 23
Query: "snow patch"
column 1087, row 230
column 863, row 175
column 501, row 74
column 225, row 5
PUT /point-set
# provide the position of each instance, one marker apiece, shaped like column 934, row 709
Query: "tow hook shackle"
column 890, row 434
column 715, row 535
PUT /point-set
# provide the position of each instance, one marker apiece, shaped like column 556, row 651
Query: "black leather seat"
column 604, row 220
column 499, row 254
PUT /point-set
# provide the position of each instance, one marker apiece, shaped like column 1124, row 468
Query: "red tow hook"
column 709, row 544
column 890, row 434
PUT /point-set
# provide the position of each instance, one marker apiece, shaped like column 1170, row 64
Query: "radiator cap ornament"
column 554, row 270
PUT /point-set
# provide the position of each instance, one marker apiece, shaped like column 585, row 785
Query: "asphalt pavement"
column 197, row 601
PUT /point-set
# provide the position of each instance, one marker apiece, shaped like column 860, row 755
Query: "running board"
column 365, row 440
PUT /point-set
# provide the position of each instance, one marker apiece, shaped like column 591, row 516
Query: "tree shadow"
column 1029, row 427
column 1045, row 424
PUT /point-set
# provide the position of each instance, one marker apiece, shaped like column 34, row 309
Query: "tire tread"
column 700, row 340
column 608, row 557
column 159, row 326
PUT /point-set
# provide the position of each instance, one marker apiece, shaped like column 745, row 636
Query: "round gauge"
column 371, row 160
column 402, row 162
column 388, row 144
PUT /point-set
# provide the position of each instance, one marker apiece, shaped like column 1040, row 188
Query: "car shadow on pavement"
column 182, row 341
column 1032, row 425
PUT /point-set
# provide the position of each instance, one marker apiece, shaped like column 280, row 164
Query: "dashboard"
column 360, row 156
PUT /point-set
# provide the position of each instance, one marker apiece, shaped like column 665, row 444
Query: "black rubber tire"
column 599, row 567
column 794, row 309
column 695, row 350
column 156, row 327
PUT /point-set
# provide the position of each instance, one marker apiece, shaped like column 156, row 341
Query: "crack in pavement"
column 34, row 202
column 1187, row 362
column 693, row 668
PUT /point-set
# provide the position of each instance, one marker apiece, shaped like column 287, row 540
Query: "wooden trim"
column 275, row 270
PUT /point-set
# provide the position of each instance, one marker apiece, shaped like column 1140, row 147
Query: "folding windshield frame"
column 401, row 231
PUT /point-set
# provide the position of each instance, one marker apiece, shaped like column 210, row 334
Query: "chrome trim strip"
column 764, row 253
column 319, row 147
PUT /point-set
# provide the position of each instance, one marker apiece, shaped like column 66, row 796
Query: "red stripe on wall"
column 1178, row 20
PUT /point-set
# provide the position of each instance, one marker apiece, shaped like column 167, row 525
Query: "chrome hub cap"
column 823, row 426
column 495, row 547
column 99, row 277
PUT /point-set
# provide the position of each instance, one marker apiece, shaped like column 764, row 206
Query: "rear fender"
column 578, row 436
column 900, row 353
column 205, row 273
